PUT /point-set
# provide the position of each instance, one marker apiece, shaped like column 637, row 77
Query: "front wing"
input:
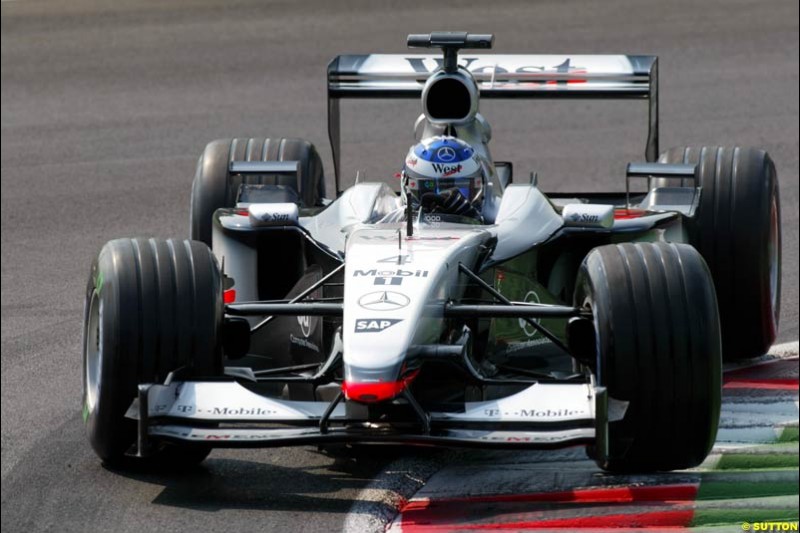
column 227, row 414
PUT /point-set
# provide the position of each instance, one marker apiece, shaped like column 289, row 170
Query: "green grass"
column 709, row 517
column 789, row 434
column 743, row 461
column 726, row 490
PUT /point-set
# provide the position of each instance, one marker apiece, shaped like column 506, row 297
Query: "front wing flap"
column 227, row 414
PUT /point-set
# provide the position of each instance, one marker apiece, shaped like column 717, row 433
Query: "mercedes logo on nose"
column 446, row 154
column 383, row 301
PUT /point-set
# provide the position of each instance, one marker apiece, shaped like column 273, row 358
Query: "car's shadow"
column 287, row 479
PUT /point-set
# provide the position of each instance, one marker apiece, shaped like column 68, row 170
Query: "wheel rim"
column 774, row 259
column 94, row 354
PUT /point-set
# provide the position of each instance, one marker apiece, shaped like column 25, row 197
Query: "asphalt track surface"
column 105, row 107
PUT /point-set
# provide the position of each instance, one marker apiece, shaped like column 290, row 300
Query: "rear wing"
column 618, row 77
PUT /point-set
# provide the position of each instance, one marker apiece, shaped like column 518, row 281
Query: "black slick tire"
column 214, row 187
column 152, row 306
column 737, row 229
column 659, row 350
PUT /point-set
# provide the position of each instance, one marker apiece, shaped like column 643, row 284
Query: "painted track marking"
column 757, row 445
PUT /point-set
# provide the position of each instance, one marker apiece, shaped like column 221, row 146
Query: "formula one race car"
column 468, row 310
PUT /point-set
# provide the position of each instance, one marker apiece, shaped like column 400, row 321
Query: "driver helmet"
column 441, row 165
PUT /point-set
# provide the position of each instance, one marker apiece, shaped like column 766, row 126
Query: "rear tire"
column 737, row 230
column 658, row 342
column 152, row 306
column 214, row 187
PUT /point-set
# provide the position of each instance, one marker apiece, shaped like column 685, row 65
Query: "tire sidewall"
column 588, row 298
column 107, row 428
column 770, row 199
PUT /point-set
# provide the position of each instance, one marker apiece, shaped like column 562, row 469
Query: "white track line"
column 787, row 349
column 378, row 503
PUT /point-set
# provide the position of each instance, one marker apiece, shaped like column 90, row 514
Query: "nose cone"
column 376, row 392
column 394, row 300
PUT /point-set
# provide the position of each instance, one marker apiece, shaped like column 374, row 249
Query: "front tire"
column 152, row 306
column 659, row 350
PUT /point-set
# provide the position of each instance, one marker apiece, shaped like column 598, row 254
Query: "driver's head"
column 444, row 174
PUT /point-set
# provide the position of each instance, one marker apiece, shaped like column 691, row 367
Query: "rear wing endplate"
column 618, row 77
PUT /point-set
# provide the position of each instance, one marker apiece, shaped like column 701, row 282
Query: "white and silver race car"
column 553, row 320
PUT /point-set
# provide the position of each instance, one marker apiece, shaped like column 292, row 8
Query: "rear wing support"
column 503, row 76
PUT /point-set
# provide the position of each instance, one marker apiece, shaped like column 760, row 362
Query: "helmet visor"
column 471, row 187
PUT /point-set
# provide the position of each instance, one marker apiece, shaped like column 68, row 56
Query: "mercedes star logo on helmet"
column 446, row 154
column 383, row 301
